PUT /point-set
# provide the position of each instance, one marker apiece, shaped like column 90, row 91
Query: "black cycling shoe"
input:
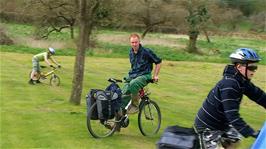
column 31, row 82
column 38, row 81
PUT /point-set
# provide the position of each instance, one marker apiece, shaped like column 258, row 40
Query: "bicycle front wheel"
column 98, row 128
column 55, row 80
column 149, row 118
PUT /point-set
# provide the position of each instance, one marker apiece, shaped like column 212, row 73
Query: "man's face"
column 251, row 69
column 134, row 42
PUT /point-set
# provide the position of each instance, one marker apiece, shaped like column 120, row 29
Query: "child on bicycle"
column 44, row 56
column 218, row 120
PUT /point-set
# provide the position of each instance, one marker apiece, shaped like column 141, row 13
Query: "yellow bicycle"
column 54, row 79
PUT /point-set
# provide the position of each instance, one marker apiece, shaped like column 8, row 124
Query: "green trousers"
column 132, row 87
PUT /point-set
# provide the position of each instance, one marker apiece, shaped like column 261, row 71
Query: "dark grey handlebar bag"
column 177, row 137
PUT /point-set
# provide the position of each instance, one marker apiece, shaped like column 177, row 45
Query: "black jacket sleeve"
column 256, row 94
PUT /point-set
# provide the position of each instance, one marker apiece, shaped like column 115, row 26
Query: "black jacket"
column 141, row 63
column 221, row 107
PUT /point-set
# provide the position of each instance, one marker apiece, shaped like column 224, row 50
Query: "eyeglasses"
column 252, row 68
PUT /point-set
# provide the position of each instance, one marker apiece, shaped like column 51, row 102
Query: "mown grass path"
column 40, row 116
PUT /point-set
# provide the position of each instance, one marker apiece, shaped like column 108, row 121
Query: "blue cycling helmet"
column 51, row 50
column 244, row 56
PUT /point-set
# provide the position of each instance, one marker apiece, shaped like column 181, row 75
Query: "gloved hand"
column 255, row 134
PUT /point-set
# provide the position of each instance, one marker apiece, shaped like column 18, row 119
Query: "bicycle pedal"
column 124, row 122
column 108, row 126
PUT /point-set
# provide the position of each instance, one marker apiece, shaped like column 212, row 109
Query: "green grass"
column 175, row 51
column 41, row 116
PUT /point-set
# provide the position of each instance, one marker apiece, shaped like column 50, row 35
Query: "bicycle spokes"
column 99, row 128
column 55, row 80
column 149, row 118
column 148, row 113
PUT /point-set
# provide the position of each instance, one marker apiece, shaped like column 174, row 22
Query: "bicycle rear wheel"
column 97, row 128
column 149, row 118
column 35, row 77
column 55, row 80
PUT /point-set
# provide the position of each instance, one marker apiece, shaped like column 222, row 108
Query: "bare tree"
column 149, row 13
column 55, row 15
column 90, row 13
column 230, row 16
column 259, row 22
column 77, row 82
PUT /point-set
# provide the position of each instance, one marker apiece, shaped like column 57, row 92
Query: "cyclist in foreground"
column 44, row 56
column 218, row 119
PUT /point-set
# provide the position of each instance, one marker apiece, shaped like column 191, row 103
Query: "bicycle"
column 149, row 117
column 54, row 79
column 184, row 137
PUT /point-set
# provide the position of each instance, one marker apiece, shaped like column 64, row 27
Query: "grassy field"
column 40, row 116
column 111, row 43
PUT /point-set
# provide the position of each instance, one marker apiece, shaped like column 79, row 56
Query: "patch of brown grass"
column 31, row 42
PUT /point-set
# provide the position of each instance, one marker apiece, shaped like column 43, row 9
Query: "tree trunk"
column 206, row 35
column 72, row 32
column 148, row 28
column 193, row 35
column 77, row 85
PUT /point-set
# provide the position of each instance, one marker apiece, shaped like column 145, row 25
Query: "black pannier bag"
column 116, row 96
column 108, row 101
column 105, row 105
column 91, row 99
column 177, row 137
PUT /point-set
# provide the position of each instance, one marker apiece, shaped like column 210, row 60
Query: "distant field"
column 40, row 116
column 111, row 43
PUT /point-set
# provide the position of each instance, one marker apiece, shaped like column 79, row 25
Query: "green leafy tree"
column 197, row 18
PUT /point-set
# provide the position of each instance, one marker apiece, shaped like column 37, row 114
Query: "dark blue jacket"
column 141, row 62
column 221, row 107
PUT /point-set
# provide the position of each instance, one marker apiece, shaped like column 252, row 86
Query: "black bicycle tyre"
column 91, row 130
column 55, row 80
column 141, row 111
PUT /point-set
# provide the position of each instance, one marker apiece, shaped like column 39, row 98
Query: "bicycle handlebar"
column 113, row 80
column 152, row 81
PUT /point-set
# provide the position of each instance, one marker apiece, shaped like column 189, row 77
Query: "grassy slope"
column 41, row 117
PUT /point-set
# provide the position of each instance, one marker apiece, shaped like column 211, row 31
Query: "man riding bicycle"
column 141, row 60
column 218, row 120
column 44, row 56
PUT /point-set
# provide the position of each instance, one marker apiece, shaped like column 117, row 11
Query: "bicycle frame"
column 143, row 94
column 54, row 79
column 47, row 73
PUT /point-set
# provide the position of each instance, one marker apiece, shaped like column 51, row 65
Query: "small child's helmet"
column 244, row 56
column 51, row 50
